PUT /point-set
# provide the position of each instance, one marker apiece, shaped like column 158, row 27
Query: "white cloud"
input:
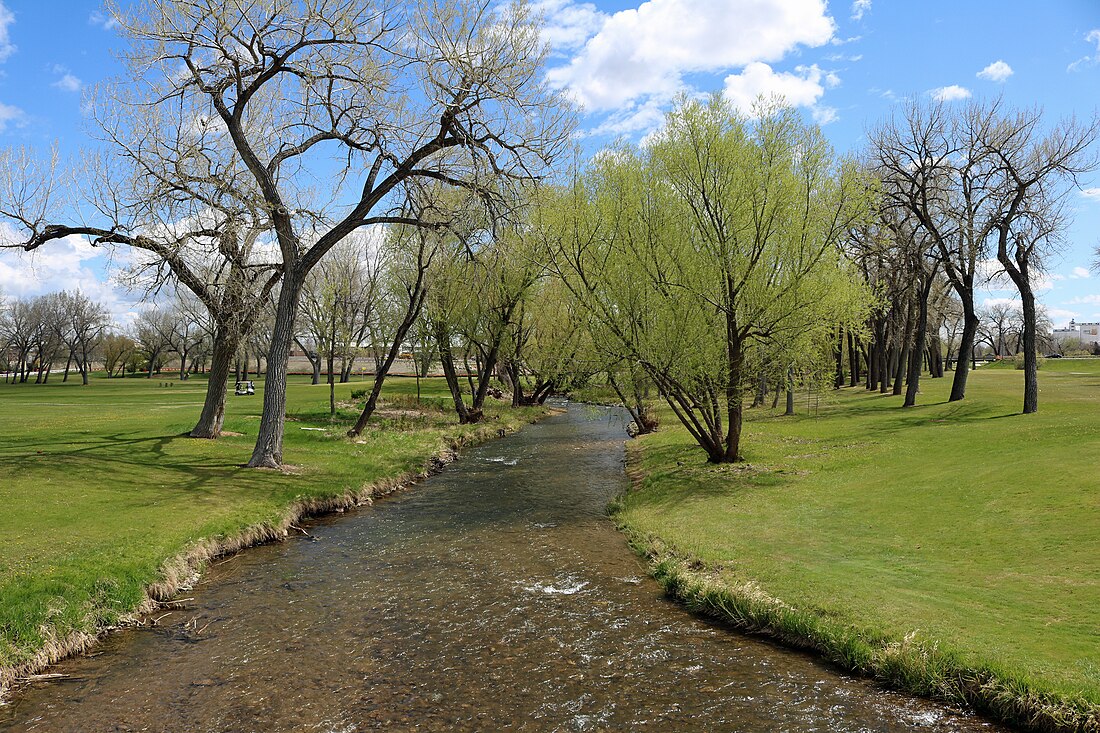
column 1093, row 59
column 859, row 7
column 951, row 93
column 1080, row 273
column 800, row 89
column 645, row 52
column 1056, row 276
column 647, row 116
column 996, row 71
column 7, row 48
column 1061, row 315
column 66, row 264
column 10, row 114
column 1085, row 300
column 103, row 20
column 566, row 24
column 1012, row 302
column 1091, row 193
column 68, row 83
column 824, row 115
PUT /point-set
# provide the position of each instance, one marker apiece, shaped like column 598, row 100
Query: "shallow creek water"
column 494, row 595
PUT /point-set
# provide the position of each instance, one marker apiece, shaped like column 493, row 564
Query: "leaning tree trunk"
column 1031, row 357
column 446, row 359
column 383, row 370
column 221, row 362
column 912, row 382
column 920, row 340
column 966, row 350
column 900, row 367
column 85, row 368
column 268, row 452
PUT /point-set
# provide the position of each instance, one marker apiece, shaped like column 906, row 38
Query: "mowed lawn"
column 99, row 485
column 966, row 524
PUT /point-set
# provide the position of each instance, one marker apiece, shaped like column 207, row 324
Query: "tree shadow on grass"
column 122, row 459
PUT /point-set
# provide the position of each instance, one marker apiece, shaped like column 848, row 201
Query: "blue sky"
column 846, row 64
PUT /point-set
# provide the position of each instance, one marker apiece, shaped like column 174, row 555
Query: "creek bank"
column 928, row 670
column 182, row 570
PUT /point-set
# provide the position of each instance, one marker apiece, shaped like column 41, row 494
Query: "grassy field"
column 100, row 486
column 963, row 536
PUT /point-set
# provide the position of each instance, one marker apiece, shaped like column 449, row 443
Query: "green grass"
column 962, row 530
column 100, row 487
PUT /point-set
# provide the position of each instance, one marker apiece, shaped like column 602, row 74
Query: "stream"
column 494, row 595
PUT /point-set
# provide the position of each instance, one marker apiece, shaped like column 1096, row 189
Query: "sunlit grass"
column 965, row 526
column 100, row 485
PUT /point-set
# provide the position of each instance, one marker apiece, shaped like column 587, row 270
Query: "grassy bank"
column 106, row 502
column 952, row 550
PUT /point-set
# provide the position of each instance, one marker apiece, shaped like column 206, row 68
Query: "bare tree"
column 83, row 325
column 368, row 97
column 1035, row 172
column 984, row 181
column 151, row 334
column 1001, row 326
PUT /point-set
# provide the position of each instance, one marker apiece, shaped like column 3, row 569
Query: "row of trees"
column 334, row 174
column 36, row 334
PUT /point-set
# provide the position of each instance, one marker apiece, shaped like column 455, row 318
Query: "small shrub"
column 358, row 394
column 1018, row 361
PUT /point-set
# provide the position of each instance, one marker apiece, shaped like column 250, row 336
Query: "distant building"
column 1086, row 333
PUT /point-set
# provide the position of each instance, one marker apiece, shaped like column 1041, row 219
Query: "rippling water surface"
column 494, row 595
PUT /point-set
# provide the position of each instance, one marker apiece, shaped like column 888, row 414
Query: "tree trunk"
column 268, row 452
column 213, row 408
column 1031, row 359
column 68, row 364
column 919, row 336
column 383, row 369
column 735, row 352
column 761, row 389
column 966, row 350
column 853, row 361
column 838, row 355
column 901, row 363
column 446, row 359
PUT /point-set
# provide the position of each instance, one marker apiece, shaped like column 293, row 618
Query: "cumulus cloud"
column 1091, row 193
column 646, row 52
column 66, row 264
column 10, row 115
column 800, row 89
column 951, row 93
column 859, row 7
column 1080, row 273
column 566, row 24
column 1085, row 300
column 7, row 48
column 1061, row 315
column 997, row 71
column 102, row 20
column 1092, row 59
column 67, row 82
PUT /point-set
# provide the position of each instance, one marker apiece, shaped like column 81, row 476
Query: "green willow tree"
column 721, row 235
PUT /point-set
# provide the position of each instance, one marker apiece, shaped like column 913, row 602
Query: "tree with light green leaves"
column 722, row 234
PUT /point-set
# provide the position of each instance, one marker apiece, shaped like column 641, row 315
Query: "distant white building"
column 1086, row 333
